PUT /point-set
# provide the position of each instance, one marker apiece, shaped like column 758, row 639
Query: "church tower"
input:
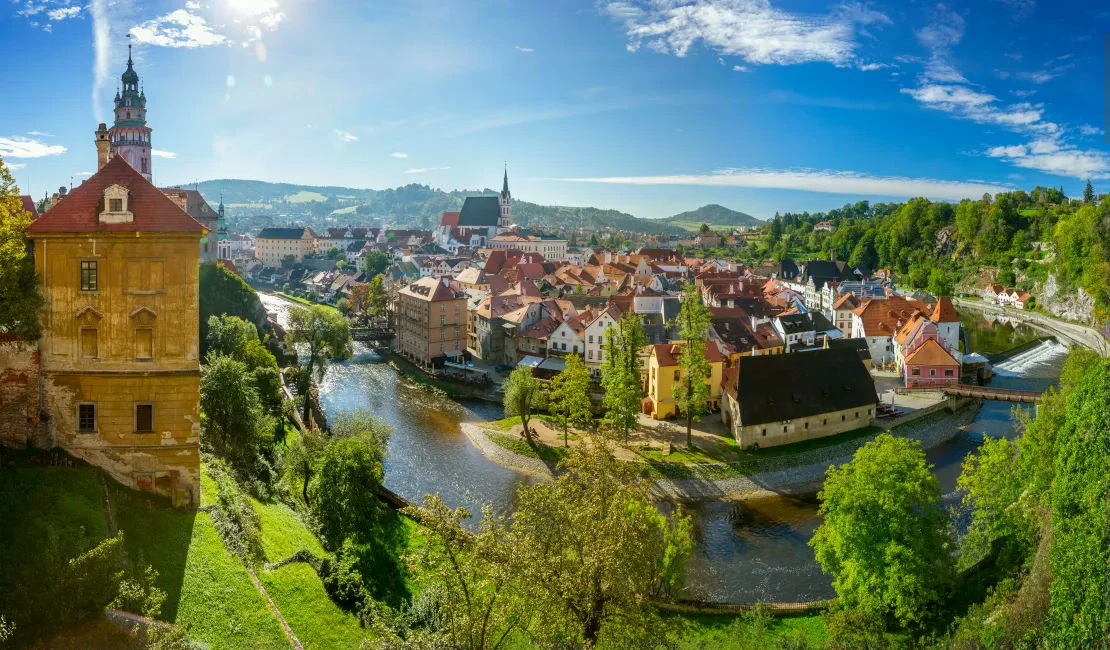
column 130, row 136
column 505, row 201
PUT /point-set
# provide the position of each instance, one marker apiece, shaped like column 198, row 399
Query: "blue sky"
column 648, row 106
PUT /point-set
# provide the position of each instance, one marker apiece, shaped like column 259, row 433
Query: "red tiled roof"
column 667, row 354
column 29, row 205
column 449, row 219
column 944, row 312
column 80, row 210
column 931, row 354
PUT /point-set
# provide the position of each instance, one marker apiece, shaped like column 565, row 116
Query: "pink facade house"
column 925, row 357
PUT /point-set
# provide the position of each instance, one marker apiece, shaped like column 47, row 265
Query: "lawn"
column 751, row 630
column 304, row 196
column 549, row 455
column 305, row 301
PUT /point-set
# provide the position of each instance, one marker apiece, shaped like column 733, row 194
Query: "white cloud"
column 1015, row 151
column 18, row 146
column 1087, row 129
column 16, row 166
column 425, row 170
column 751, row 29
column 177, row 29
column 739, row 68
column 398, row 154
column 868, row 67
column 345, row 136
column 980, row 107
column 41, row 134
column 1067, row 161
column 63, row 13
column 810, row 180
column 158, row 153
column 526, row 50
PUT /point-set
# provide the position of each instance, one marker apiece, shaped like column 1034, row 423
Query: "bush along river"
column 753, row 550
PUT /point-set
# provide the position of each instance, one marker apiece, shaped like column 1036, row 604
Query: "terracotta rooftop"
column 667, row 354
column 882, row 317
column 80, row 210
column 931, row 354
column 944, row 311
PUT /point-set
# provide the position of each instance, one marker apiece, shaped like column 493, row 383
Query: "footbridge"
column 989, row 392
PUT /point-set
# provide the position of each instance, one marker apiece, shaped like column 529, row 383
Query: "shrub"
column 234, row 517
column 342, row 579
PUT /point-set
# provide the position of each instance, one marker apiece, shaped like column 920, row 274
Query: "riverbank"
column 799, row 474
column 1066, row 332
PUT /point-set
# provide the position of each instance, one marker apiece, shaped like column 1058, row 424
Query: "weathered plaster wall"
column 19, row 394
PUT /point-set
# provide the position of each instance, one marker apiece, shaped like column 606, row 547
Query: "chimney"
column 103, row 153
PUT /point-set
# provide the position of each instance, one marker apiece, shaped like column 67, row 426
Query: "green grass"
column 304, row 196
column 350, row 209
column 549, row 455
column 727, row 631
column 505, row 424
column 208, row 590
column 295, row 588
column 305, row 301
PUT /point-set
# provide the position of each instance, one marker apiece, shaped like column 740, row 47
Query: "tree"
column 343, row 306
column 885, row 536
column 19, row 296
column 1079, row 555
column 288, row 261
column 992, row 483
column 235, row 425
column 229, row 335
column 472, row 577
column 589, row 547
column 522, row 395
column 704, row 228
column 347, row 476
column 692, row 390
column 333, row 253
column 1088, row 193
column 300, row 460
column 324, row 332
column 620, row 373
column 224, row 293
column 375, row 263
column 570, row 396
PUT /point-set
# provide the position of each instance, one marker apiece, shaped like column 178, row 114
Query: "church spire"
column 505, row 185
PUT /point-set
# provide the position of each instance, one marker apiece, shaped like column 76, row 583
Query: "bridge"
column 377, row 334
column 980, row 392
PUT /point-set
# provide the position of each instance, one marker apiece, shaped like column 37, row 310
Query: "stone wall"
column 19, row 394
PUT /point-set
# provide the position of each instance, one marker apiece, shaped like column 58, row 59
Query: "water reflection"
column 754, row 550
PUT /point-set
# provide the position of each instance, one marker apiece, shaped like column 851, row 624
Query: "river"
column 747, row 551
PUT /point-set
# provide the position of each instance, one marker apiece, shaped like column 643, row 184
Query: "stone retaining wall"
column 504, row 457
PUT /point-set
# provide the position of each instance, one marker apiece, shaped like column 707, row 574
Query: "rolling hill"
column 714, row 215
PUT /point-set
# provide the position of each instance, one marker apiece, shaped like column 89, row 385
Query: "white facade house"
column 595, row 338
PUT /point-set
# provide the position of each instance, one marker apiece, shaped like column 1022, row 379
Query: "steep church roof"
column 480, row 211
column 80, row 210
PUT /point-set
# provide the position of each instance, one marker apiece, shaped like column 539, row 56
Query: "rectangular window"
column 86, row 418
column 144, row 343
column 88, row 343
column 591, row 338
column 88, row 276
column 932, row 373
column 947, row 373
column 144, row 418
column 590, row 354
column 115, row 205
column 916, row 372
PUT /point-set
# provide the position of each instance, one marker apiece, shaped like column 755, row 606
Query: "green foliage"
column 885, row 536
column 19, row 296
column 326, row 333
column 620, row 374
column 224, row 293
column 342, row 579
column 346, row 475
column 1079, row 613
column 288, row 261
column 233, row 515
column 333, row 253
column 570, row 396
column 235, row 425
column 590, row 546
column 229, row 335
column 522, row 396
column 375, row 263
column 692, row 391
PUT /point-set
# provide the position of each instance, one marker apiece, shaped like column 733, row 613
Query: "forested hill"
column 713, row 215
column 413, row 204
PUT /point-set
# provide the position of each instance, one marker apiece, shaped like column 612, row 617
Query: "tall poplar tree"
column 692, row 390
column 620, row 373
column 570, row 395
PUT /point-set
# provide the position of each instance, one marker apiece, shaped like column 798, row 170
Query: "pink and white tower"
column 130, row 136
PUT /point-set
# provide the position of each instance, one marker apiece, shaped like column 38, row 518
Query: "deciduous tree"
column 620, row 373
column 570, row 395
column 235, row 424
column 691, row 392
column 325, row 333
column 19, row 297
column 522, row 396
column 885, row 537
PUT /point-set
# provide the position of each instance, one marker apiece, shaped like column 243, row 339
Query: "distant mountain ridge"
column 714, row 215
column 413, row 204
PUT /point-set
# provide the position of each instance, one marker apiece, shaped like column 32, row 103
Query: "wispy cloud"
column 158, row 153
column 752, row 29
column 16, row 166
column 739, row 68
column 345, row 136
column 425, row 170
column 1087, row 129
column 63, row 13
column 41, row 134
column 1051, row 156
column 399, row 154
column 177, row 29
column 526, row 50
column 812, row 180
column 18, row 146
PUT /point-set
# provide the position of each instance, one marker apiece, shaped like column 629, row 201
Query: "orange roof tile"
column 931, row 354
column 944, row 311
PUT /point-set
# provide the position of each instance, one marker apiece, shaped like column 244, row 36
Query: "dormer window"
column 115, row 205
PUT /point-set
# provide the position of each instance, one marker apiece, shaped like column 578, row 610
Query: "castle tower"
column 103, row 146
column 505, row 200
column 130, row 136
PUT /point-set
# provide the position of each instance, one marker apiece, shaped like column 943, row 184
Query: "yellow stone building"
column 117, row 262
column 663, row 372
